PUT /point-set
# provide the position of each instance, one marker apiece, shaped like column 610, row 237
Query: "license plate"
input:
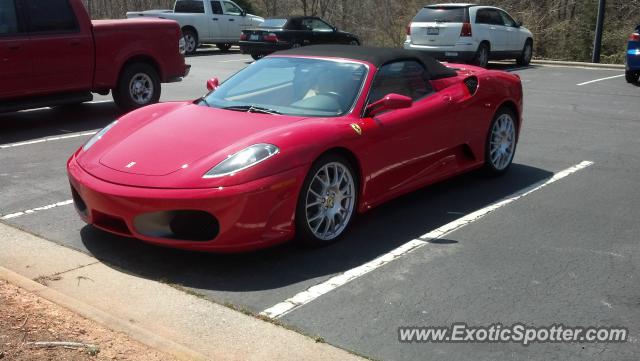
column 433, row 31
column 254, row 37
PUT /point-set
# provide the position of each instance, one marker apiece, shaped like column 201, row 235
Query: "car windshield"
column 292, row 86
column 273, row 23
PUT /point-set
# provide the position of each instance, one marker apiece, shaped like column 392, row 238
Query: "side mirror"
column 243, row 13
column 389, row 102
column 335, row 28
column 518, row 23
column 212, row 84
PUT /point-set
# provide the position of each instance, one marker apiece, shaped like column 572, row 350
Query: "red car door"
column 416, row 144
column 15, row 62
column 61, row 47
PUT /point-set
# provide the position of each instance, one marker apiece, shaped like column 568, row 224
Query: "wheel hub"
column 329, row 201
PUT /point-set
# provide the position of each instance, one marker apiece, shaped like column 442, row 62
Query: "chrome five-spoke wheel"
column 501, row 145
column 327, row 201
column 138, row 86
column 141, row 88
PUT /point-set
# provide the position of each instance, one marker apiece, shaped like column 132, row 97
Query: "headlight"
column 244, row 159
column 96, row 137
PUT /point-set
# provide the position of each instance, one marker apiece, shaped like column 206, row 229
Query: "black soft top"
column 375, row 56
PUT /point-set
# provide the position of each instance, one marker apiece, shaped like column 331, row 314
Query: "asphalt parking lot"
column 564, row 252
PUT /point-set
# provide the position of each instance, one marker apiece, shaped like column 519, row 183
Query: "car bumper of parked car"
column 178, row 78
column 463, row 51
column 231, row 219
column 255, row 47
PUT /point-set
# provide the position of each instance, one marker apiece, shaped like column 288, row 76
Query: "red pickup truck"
column 51, row 53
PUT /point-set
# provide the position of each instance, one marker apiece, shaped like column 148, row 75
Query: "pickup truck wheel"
column 139, row 85
column 224, row 47
column 190, row 41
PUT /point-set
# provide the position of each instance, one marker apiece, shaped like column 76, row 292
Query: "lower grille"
column 110, row 223
column 183, row 225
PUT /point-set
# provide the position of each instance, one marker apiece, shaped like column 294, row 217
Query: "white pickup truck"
column 217, row 22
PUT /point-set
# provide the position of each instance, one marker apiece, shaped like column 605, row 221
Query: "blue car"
column 632, row 72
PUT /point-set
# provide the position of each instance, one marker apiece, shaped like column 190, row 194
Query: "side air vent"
column 472, row 84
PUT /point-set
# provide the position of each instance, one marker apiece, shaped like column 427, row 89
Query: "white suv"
column 470, row 33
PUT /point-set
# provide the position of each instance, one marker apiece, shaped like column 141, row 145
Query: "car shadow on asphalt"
column 373, row 234
column 49, row 122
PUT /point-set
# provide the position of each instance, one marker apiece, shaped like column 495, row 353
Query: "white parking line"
column 318, row 290
column 601, row 79
column 49, row 139
column 34, row 210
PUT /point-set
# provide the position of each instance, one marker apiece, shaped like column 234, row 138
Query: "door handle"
column 493, row 28
column 14, row 47
column 74, row 43
column 215, row 19
column 232, row 20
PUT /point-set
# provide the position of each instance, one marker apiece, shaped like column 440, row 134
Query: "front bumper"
column 464, row 51
column 249, row 216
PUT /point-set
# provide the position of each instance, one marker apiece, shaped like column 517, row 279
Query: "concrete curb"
column 135, row 332
column 577, row 64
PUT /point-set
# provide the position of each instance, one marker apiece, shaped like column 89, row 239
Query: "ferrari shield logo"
column 356, row 128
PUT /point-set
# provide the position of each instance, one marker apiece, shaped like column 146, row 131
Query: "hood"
column 180, row 137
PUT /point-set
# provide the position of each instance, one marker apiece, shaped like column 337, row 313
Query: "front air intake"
column 183, row 225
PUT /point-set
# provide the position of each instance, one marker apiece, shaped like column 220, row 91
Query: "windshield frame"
column 357, row 98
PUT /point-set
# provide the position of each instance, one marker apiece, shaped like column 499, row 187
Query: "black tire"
column 128, row 95
column 257, row 56
column 527, row 53
column 191, row 41
column 304, row 234
column 224, row 47
column 482, row 55
column 354, row 42
column 489, row 166
column 632, row 77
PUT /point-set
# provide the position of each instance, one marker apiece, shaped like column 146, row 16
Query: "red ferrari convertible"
column 294, row 145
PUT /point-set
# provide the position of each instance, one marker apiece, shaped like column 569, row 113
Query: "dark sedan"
column 280, row 34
